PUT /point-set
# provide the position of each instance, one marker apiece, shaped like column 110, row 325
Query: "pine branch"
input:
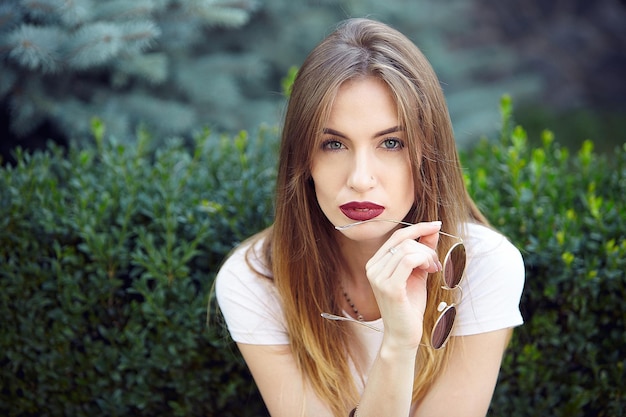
column 35, row 47
column 10, row 16
column 94, row 44
column 152, row 67
column 125, row 10
column 75, row 12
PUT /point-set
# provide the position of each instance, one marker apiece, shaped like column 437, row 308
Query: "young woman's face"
column 362, row 170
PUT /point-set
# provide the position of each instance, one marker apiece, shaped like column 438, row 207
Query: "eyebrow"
column 381, row 133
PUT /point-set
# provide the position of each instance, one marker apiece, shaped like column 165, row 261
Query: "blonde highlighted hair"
column 300, row 247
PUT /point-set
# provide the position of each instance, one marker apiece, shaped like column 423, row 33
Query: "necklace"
column 356, row 311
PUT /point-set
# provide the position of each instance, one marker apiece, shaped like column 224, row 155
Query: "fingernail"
column 436, row 223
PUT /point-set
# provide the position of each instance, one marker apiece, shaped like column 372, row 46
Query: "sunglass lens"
column 454, row 265
column 443, row 327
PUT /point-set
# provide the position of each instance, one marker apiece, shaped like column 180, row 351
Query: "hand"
column 398, row 278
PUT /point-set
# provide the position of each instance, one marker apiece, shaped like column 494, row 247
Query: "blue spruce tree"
column 127, row 62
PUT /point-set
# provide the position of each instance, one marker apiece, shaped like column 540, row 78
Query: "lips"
column 360, row 211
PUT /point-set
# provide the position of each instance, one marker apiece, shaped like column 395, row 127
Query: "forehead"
column 366, row 102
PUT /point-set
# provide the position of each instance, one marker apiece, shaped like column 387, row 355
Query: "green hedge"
column 107, row 256
column 108, row 253
column 567, row 213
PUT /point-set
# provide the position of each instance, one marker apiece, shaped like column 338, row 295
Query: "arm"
column 465, row 386
column 280, row 381
column 285, row 395
column 496, row 273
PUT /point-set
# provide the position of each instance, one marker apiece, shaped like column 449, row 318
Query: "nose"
column 362, row 175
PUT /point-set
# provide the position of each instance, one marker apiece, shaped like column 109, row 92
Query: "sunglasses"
column 451, row 275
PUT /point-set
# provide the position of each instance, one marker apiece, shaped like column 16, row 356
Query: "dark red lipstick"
column 361, row 210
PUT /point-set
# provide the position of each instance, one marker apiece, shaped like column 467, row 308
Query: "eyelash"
column 397, row 144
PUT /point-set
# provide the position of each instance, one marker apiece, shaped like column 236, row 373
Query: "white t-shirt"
column 491, row 289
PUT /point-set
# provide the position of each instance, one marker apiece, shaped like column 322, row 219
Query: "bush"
column 568, row 216
column 107, row 258
column 108, row 254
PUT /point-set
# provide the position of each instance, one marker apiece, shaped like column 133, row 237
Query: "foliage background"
column 107, row 257
column 177, row 65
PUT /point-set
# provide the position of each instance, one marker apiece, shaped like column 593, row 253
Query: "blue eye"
column 332, row 145
column 392, row 143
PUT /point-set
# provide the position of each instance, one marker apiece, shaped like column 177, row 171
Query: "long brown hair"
column 301, row 245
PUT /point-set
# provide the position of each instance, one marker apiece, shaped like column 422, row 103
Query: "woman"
column 367, row 137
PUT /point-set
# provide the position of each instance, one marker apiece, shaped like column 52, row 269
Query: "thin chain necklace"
column 359, row 317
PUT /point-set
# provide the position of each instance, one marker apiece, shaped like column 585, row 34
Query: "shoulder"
column 247, row 297
column 492, row 258
column 486, row 244
column 493, row 283
column 241, row 272
column 244, row 262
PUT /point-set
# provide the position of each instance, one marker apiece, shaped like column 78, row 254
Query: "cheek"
column 325, row 183
column 326, row 174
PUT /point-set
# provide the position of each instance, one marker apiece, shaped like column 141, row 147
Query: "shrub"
column 108, row 254
column 568, row 216
column 107, row 258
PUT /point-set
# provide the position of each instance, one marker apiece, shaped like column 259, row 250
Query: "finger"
column 411, row 232
column 400, row 279
column 431, row 240
column 418, row 256
column 408, row 256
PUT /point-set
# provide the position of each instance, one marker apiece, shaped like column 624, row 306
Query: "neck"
column 354, row 280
